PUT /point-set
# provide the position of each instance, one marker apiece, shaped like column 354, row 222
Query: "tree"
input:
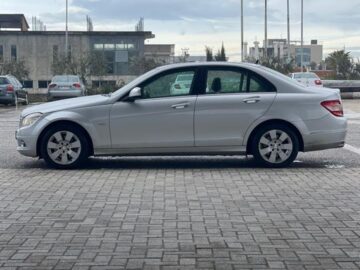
column 86, row 65
column 140, row 65
column 221, row 55
column 282, row 65
column 18, row 69
column 313, row 65
column 209, row 54
column 341, row 62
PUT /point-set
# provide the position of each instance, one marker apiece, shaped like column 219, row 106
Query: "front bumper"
column 26, row 145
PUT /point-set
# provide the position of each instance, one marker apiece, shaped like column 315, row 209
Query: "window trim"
column 249, row 74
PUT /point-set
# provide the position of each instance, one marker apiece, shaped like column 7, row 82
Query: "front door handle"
column 180, row 106
column 251, row 100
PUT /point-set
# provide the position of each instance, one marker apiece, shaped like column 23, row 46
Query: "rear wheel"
column 275, row 146
column 64, row 147
column 26, row 101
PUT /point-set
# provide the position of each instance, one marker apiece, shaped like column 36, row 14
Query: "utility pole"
column 265, row 44
column 302, row 35
column 288, row 29
column 66, row 33
column 242, row 31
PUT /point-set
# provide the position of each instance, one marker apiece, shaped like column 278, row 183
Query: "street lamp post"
column 66, row 32
column 302, row 35
column 288, row 28
column 265, row 44
column 242, row 31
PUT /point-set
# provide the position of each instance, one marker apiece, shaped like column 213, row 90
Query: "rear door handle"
column 180, row 106
column 251, row 100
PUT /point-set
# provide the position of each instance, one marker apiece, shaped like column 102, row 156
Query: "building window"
column 55, row 52
column 109, row 47
column 1, row 53
column 13, row 53
column 44, row 84
column 27, row 84
column 98, row 46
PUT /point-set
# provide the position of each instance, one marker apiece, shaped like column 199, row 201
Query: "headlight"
column 29, row 119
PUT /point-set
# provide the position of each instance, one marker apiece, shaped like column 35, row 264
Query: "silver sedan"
column 227, row 109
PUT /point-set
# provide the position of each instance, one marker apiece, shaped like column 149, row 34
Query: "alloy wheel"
column 275, row 146
column 64, row 147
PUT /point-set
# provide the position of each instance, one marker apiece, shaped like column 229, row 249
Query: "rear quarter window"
column 3, row 80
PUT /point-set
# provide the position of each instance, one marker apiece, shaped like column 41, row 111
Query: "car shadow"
column 184, row 162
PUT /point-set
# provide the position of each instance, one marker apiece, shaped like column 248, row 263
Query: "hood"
column 67, row 104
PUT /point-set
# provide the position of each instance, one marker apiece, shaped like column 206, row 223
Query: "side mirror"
column 135, row 93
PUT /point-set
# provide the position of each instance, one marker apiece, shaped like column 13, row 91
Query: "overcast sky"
column 195, row 23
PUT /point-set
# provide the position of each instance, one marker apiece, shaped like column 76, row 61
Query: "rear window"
column 65, row 79
column 305, row 76
column 3, row 80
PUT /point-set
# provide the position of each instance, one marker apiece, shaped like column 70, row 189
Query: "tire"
column 64, row 147
column 26, row 102
column 275, row 146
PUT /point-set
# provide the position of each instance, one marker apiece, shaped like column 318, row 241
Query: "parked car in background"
column 66, row 86
column 12, row 91
column 182, row 84
column 229, row 109
column 307, row 78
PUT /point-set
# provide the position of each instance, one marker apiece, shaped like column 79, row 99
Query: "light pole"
column 66, row 33
column 242, row 31
column 265, row 44
column 288, row 28
column 302, row 35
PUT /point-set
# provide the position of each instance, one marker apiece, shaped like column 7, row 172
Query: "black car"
column 12, row 91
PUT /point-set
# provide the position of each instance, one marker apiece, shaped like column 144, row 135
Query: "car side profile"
column 227, row 109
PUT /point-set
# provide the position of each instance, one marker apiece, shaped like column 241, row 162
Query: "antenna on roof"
column 139, row 27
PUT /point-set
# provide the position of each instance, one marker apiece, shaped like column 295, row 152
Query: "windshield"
column 64, row 79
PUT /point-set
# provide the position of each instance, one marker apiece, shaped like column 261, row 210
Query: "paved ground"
column 181, row 213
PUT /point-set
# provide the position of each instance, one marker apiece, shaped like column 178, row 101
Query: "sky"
column 194, row 24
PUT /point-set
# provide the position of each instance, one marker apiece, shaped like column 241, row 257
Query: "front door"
column 162, row 118
column 234, row 98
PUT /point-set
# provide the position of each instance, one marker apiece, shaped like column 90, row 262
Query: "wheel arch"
column 66, row 122
column 272, row 122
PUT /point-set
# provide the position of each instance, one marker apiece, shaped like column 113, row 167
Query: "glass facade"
column 306, row 56
column 117, row 55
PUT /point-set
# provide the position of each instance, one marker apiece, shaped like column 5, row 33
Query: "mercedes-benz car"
column 227, row 109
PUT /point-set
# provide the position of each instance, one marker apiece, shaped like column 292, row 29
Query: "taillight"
column 77, row 85
column 318, row 82
column 53, row 85
column 10, row 88
column 333, row 106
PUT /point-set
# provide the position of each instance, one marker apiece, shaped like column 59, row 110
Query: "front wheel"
column 275, row 146
column 64, row 147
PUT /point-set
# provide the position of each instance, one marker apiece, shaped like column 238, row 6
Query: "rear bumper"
column 328, row 133
column 65, row 93
column 7, row 98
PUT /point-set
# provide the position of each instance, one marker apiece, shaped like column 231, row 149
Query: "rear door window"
column 232, row 80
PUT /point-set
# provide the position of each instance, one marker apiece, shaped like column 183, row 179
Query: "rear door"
column 232, row 100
